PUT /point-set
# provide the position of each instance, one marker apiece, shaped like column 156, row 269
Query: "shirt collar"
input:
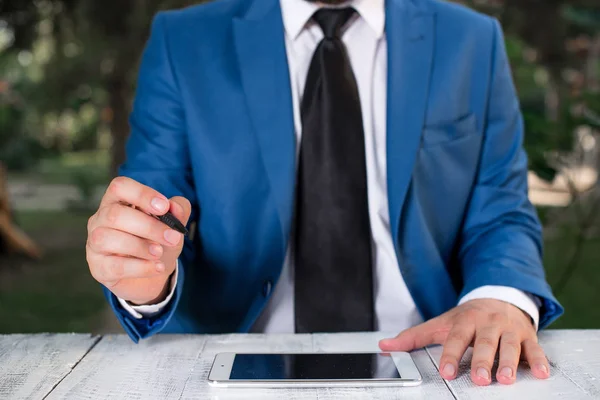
column 296, row 14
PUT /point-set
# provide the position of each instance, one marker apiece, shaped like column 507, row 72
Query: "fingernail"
column 542, row 367
column 449, row 370
column 156, row 250
column 159, row 204
column 506, row 372
column 172, row 237
column 483, row 373
column 160, row 267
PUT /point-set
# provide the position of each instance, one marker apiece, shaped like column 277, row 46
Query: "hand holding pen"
column 135, row 239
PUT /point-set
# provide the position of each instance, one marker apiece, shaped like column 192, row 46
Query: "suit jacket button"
column 267, row 286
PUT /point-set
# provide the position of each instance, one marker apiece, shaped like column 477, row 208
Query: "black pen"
column 173, row 223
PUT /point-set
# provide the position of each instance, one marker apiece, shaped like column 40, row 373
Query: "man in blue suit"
column 342, row 166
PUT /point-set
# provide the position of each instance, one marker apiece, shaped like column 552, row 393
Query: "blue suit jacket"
column 213, row 121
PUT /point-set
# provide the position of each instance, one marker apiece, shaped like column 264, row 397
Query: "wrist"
column 163, row 294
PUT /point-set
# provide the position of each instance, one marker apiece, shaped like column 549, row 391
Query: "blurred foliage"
column 86, row 185
column 582, row 289
column 18, row 150
column 69, row 67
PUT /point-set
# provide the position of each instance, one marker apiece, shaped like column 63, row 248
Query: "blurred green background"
column 67, row 77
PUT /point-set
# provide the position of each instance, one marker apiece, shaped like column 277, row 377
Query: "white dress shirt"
column 364, row 37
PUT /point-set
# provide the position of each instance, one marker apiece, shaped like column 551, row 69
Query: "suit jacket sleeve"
column 157, row 156
column 501, row 241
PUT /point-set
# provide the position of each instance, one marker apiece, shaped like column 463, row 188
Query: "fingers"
column 430, row 332
column 484, row 353
column 181, row 209
column 110, row 241
column 536, row 358
column 110, row 270
column 126, row 190
column 126, row 219
column 490, row 325
column 455, row 346
column 510, row 353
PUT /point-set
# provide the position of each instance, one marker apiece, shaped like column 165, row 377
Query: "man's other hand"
column 490, row 326
column 129, row 251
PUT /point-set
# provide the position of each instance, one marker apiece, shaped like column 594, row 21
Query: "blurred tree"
column 94, row 45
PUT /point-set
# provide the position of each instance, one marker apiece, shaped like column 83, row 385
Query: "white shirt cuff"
column 518, row 298
column 149, row 311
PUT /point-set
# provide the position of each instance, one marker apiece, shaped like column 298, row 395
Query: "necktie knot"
column 332, row 20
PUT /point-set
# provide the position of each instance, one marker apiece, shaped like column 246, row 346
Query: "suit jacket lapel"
column 262, row 60
column 410, row 38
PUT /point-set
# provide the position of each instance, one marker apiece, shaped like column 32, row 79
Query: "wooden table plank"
column 177, row 367
column 576, row 354
column 31, row 365
column 575, row 371
column 117, row 368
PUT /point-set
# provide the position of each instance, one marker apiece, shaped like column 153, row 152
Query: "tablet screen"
column 313, row 367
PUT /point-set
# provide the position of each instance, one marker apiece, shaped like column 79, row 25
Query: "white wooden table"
column 176, row 367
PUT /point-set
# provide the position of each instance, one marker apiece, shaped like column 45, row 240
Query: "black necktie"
column 333, row 274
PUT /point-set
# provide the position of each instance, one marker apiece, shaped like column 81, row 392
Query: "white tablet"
column 313, row 370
